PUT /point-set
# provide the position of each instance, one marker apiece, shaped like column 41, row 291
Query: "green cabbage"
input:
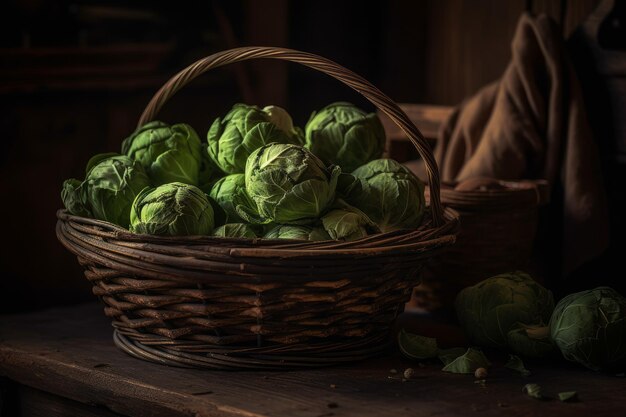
column 504, row 311
column 74, row 197
column 174, row 209
column 288, row 185
column 112, row 183
column 245, row 129
column 229, row 192
column 589, row 327
column 167, row 153
column 344, row 135
column 387, row 192
column 348, row 223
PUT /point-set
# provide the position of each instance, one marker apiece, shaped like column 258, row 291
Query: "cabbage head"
column 174, row 209
column 288, row 185
column 245, row 129
column 389, row 194
column 297, row 233
column 229, row 192
column 235, row 230
column 348, row 223
column 589, row 327
column 112, row 183
column 167, row 153
column 507, row 311
column 74, row 197
column 342, row 134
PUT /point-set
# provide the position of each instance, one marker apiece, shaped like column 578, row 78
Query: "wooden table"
column 62, row 362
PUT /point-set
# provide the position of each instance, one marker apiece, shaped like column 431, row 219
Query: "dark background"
column 76, row 75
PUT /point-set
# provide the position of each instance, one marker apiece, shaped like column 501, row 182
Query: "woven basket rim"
column 388, row 243
column 202, row 259
column 516, row 194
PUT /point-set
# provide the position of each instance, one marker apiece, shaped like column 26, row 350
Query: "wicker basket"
column 221, row 303
column 497, row 235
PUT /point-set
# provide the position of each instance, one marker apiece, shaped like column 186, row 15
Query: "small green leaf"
column 468, row 362
column 533, row 390
column 568, row 396
column 417, row 347
column 449, row 355
column 515, row 363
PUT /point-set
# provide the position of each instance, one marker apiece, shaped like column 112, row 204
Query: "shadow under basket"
column 497, row 234
column 226, row 303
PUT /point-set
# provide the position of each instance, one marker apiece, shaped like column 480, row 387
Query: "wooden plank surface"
column 35, row 403
column 69, row 352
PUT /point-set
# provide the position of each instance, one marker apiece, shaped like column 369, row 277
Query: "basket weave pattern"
column 225, row 303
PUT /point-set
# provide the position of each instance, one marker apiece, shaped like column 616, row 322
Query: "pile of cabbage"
column 513, row 312
column 256, row 175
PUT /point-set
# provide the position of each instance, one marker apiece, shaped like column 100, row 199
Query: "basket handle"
column 356, row 82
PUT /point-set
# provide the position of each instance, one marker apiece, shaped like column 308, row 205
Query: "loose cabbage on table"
column 507, row 311
column 174, row 209
column 342, row 134
column 589, row 327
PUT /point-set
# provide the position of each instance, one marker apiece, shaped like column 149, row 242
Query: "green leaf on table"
column 533, row 390
column 515, row 363
column 417, row 347
column 448, row 355
column 468, row 362
column 568, row 396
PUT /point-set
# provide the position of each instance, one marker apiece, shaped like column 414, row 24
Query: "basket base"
column 256, row 359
